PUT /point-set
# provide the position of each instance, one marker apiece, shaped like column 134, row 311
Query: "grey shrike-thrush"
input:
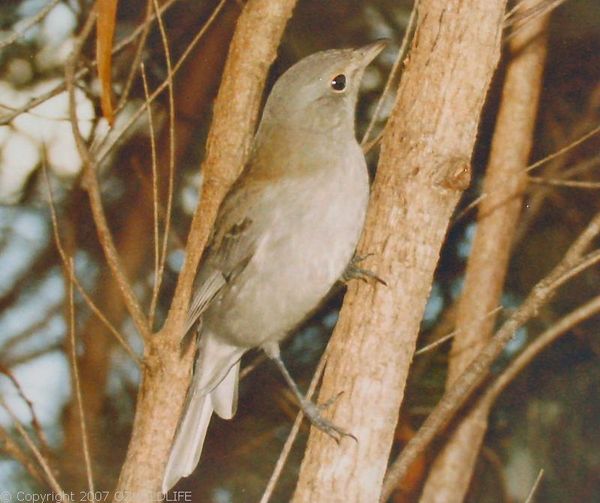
column 285, row 233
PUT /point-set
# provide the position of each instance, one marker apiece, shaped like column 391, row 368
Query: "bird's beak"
column 369, row 52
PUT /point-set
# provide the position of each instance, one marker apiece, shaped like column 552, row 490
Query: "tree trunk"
column 423, row 168
column 499, row 211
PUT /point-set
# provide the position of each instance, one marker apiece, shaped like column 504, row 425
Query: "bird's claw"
column 313, row 412
column 353, row 271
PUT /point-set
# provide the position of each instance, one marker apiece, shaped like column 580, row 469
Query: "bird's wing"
column 231, row 247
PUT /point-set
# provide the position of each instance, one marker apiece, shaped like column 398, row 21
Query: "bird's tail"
column 214, row 388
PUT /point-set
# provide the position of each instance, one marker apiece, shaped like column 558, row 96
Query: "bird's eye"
column 338, row 83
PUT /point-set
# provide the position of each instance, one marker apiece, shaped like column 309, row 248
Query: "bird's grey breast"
column 306, row 228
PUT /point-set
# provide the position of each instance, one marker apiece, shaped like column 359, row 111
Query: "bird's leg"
column 311, row 410
column 353, row 271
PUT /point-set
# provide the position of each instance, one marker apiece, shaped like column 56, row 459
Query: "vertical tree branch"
column 165, row 378
column 423, row 168
column 503, row 188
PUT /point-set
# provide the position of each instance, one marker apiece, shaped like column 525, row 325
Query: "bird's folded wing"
column 226, row 257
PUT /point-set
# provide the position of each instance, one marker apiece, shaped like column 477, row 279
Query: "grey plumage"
column 283, row 235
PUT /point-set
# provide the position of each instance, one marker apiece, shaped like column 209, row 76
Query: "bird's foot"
column 353, row 271
column 313, row 412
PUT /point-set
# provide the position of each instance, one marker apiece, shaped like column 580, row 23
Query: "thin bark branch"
column 14, row 450
column 29, row 23
column 366, row 143
column 77, row 384
column 505, row 183
column 155, row 201
column 59, row 88
column 478, row 369
column 92, row 186
column 43, row 462
column 541, row 342
column 291, row 438
column 73, row 277
column 163, row 256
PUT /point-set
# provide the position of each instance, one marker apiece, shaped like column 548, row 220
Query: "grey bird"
column 284, row 235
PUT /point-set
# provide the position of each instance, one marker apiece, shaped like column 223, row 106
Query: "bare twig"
column 59, row 88
column 578, row 315
column 155, row 201
column 14, row 450
column 473, row 204
column 54, row 485
column 29, row 23
column 248, row 369
column 35, row 423
column 392, row 76
column 78, row 397
column 73, row 277
column 556, row 182
column 93, row 189
column 443, row 339
column 107, row 148
column 137, row 59
column 169, row 80
column 517, row 17
column 22, row 336
column 536, row 484
column 564, row 150
column 291, row 438
column 476, row 371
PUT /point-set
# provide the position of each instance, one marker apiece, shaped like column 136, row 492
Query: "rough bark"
column 166, row 375
column 424, row 166
column 499, row 211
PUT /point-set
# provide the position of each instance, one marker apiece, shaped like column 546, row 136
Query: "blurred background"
column 548, row 418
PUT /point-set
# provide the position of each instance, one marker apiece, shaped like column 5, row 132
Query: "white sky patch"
column 58, row 24
column 46, row 125
column 45, row 381
column 18, row 158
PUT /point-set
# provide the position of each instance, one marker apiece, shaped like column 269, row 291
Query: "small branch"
column 169, row 80
column 78, row 397
column 35, row 423
column 452, row 334
column 555, row 182
column 563, row 150
column 291, row 438
column 535, row 486
column 476, row 371
column 412, row 21
column 155, row 202
column 59, row 88
column 93, row 189
column 29, row 23
column 107, row 148
column 518, row 17
column 54, row 485
column 473, row 204
column 582, row 313
column 73, row 277
column 14, row 450
column 137, row 58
